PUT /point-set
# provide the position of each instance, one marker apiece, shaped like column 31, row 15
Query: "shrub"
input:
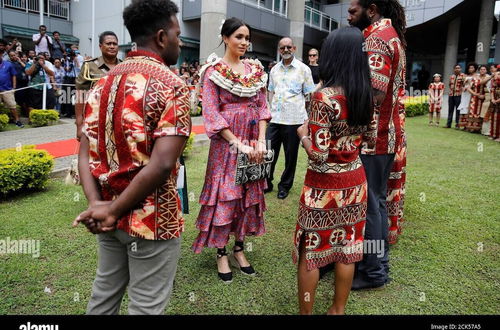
column 24, row 168
column 416, row 109
column 196, row 112
column 43, row 117
column 416, row 106
column 4, row 110
column 189, row 144
column 4, row 120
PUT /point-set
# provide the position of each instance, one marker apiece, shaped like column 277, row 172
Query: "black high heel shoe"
column 238, row 247
column 225, row 277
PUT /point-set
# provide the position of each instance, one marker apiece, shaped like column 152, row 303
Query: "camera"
column 72, row 53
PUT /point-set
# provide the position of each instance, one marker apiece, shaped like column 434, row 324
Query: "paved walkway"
column 62, row 133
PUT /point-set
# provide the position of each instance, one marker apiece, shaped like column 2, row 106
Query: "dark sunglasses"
column 313, row 54
column 287, row 47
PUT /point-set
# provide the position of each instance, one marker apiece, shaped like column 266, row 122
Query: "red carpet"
column 198, row 129
column 66, row 148
column 60, row 148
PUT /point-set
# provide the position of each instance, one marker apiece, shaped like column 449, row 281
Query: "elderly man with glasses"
column 289, row 82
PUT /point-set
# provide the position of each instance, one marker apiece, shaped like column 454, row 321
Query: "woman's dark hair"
column 143, row 18
column 474, row 64
column 105, row 34
column 232, row 24
column 344, row 64
column 391, row 9
column 483, row 66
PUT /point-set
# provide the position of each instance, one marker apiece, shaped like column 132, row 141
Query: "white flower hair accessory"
column 220, row 28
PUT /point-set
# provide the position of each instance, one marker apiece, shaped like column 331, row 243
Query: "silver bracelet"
column 302, row 139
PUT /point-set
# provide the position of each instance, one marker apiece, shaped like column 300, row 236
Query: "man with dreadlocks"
column 383, row 24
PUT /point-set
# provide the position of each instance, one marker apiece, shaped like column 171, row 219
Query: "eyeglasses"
column 313, row 55
column 287, row 47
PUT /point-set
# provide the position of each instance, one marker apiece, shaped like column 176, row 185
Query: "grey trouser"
column 148, row 268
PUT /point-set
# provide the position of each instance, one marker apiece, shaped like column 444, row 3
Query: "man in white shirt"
column 42, row 41
column 290, row 81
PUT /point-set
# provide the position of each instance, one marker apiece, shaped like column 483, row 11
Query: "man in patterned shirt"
column 383, row 24
column 289, row 82
column 136, row 126
column 457, row 81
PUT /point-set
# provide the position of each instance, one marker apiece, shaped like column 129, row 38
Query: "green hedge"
column 24, row 168
column 416, row 109
column 43, row 117
column 5, row 111
column 196, row 112
column 189, row 144
column 4, row 120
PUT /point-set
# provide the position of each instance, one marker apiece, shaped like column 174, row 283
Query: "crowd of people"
column 345, row 109
column 474, row 99
column 60, row 69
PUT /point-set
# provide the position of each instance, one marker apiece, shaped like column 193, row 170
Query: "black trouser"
column 374, row 268
column 453, row 103
column 286, row 134
column 67, row 108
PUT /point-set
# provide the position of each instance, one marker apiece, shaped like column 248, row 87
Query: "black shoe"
column 282, row 194
column 446, row 126
column 225, row 277
column 268, row 189
column 238, row 247
column 359, row 284
column 19, row 124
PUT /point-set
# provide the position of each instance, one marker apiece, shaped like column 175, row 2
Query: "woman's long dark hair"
column 344, row 64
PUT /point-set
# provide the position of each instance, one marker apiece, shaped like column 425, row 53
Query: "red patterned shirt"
column 387, row 59
column 139, row 101
column 457, row 84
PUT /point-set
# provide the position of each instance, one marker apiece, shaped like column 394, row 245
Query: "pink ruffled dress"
column 227, row 208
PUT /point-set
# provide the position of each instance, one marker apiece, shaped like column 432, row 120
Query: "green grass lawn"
column 446, row 262
column 14, row 127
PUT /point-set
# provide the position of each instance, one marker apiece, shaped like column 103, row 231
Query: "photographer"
column 72, row 69
column 40, row 71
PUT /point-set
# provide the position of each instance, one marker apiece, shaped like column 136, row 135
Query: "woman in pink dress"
column 235, row 115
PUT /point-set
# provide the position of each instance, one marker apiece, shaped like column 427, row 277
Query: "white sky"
column 497, row 8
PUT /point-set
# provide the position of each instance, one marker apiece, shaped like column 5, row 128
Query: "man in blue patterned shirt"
column 289, row 82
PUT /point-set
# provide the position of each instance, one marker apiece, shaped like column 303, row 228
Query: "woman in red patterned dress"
column 495, row 105
column 478, row 92
column 436, row 92
column 332, row 207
